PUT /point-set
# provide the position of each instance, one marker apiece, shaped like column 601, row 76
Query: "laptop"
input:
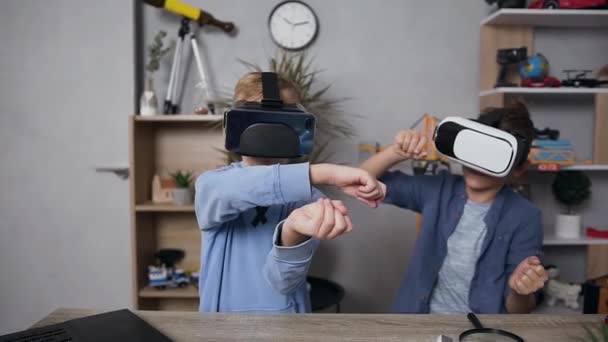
column 121, row 325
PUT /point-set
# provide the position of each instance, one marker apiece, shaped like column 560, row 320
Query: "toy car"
column 508, row 3
column 547, row 82
column 163, row 277
column 569, row 4
column 580, row 79
column 194, row 278
column 180, row 278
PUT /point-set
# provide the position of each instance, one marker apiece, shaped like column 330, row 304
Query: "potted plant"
column 182, row 194
column 149, row 101
column 598, row 333
column 570, row 188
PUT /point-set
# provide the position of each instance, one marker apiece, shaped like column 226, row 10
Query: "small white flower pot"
column 568, row 226
column 183, row 196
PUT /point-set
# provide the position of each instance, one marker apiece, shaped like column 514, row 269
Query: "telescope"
column 203, row 18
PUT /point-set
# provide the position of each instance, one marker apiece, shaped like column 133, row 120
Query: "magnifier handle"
column 474, row 320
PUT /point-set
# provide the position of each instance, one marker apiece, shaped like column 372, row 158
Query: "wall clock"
column 293, row 25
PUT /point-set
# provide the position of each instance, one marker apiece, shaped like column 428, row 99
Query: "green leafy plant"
column 183, row 179
column 571, row 188
column 599, row 334
column 332, row 122
column 156, row 52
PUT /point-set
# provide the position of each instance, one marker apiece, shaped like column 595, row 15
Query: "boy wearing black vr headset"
column 479, row 243
column 262, row 219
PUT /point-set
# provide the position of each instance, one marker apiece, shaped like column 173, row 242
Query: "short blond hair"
column 249, row 89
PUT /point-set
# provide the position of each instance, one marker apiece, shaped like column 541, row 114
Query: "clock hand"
column 301, row 23
column 287, row 21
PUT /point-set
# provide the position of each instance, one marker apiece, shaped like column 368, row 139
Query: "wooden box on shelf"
column 168, row 143
column 162, row 189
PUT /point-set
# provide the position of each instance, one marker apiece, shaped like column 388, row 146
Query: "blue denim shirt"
column 243, row 267
column 514, row 233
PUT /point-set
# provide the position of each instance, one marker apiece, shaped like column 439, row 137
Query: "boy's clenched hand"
column 355, row 182
column 528, row 277
column 409, row 144
column 323, row 220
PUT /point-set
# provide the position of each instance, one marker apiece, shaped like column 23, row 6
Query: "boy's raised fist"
column 410, row 144
column 323, row 220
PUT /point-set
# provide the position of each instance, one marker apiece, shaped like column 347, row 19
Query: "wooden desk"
column 192, row 326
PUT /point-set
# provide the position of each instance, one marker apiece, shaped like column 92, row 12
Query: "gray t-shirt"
column 451, row 292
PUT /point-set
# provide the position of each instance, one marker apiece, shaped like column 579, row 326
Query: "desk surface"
column 192, row 326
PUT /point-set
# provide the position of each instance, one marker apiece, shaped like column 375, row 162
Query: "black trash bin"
column 324, row 294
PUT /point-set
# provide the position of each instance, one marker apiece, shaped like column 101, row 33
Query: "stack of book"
column 552, row 151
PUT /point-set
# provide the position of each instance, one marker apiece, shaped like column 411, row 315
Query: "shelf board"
column 558, row 309
column 179, row 118
column 581, row 167
column 552, row 240
column 588, row 167
column 153, row 207
column 180, row 292
column 544, row 91
column 548, row 18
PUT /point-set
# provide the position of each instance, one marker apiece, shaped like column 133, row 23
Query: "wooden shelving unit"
column 185, row 292
column 579, row 167
column 544, row 91
column 163, row 144
column 559, row 309
column 179, row 118
column 509, row 28
column 548, row 18
column 169, row 208
column 551, row 240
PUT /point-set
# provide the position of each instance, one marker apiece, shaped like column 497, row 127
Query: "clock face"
column 293, row 25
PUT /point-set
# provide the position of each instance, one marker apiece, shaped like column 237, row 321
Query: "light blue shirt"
column 243, row 267
column 451, row 293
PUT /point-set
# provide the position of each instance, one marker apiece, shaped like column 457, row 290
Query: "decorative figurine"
column 557, row 290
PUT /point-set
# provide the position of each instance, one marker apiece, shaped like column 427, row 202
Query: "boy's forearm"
column 320, row 174
column 520, row 304
column 380, row 162
column 286, row 266
column 222, row 196
column 289, row 237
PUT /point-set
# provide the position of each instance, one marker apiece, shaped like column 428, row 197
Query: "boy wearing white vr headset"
column 262, row 220
column 480, row 242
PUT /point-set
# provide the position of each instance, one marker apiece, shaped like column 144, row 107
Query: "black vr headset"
column 270, row 129
column 480, row 145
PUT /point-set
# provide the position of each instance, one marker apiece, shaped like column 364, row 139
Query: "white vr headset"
column 480, row 147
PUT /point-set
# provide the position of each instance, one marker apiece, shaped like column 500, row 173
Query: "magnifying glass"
column 480, row 333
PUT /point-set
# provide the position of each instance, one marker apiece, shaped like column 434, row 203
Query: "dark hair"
column 514, row 119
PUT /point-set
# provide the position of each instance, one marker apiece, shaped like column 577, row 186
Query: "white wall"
column 397, row 60
column 66, row 89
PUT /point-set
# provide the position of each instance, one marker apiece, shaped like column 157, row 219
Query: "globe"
column 534, row 68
